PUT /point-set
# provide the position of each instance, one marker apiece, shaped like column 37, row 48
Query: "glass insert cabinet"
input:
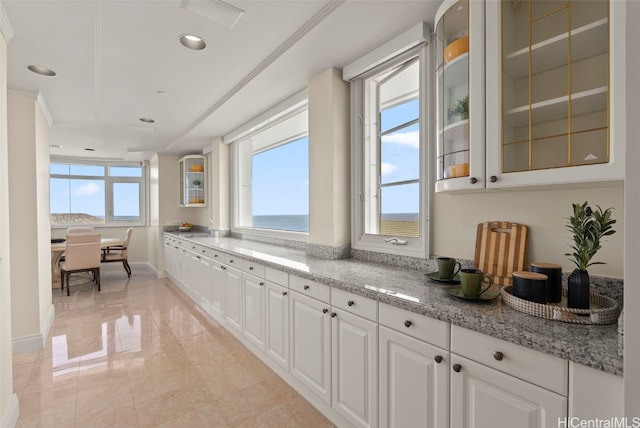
column 193, row 180
column 544, row 109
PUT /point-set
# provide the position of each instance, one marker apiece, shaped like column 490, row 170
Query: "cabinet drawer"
column 276, row 276
column 253, row 268
column 533, row 366
column 355, row 304
column 231, row 260
column 311, row 288
column 424, row 328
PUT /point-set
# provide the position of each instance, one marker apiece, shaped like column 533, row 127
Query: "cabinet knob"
column 333, row 315
column 438, row 359
column 223, row 268
column 215, row 255
column 498, row 355
column 284, row 293
column 407, row 323
column 325, row 310
column 203, row 251
column 306, row 287
column 261, row 284
column 231, row 261
column 456, row 368
column 493, row 179
column 351, row 303
column 473, row 180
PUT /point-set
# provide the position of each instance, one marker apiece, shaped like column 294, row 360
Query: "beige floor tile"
column 141, row 354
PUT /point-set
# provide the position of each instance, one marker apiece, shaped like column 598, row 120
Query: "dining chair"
column 119, row 253
column 82, row 254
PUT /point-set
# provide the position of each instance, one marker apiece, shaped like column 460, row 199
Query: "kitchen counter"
column 591, row 345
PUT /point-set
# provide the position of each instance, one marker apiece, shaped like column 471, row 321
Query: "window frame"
column 109, row 182
column 242, row 152
column 360, row 240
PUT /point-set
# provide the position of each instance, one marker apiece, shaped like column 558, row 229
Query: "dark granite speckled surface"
column 594, row 346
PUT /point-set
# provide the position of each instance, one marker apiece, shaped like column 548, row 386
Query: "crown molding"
column 5, row 25
column 44, row 108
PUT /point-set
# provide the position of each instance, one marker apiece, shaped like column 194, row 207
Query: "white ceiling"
column 111, row 57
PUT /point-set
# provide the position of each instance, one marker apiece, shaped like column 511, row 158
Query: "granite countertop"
column 592, row 345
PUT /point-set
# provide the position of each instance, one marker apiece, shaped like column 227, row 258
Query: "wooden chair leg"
column 61, row 280
column 127, row 268
column 68, row 274
column 97, row 273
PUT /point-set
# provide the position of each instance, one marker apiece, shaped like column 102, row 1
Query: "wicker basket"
column 604, row 310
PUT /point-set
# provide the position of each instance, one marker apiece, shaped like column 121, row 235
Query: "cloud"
column 87, row 189
column 411, row 139
column 387, row 168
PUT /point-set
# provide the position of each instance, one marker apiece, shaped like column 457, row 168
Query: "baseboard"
column 48, row 323
column 159, row 273
column 11, row 415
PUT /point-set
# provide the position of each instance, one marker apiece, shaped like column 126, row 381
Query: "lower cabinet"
column 485, row 397
column 310, row 344
column 233, row 298
column 414, row 382
column 354, row 359
column 277, row 324
column 217, row 285
column 253, row 309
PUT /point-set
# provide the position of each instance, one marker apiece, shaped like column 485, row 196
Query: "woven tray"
column 604, row 310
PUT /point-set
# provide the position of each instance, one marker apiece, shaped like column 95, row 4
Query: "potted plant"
column 460, row 109
column 196, row 183
column 588, row 226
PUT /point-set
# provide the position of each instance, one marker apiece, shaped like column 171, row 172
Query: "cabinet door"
column 552, row 73
column 484, row 397
column 218, row 280
column 414, row 382
column 253, row 301
column 310, row 344
column 354, row 368
column 203, row 282
column 277, row 324
column 234, row 304
column 193, row 179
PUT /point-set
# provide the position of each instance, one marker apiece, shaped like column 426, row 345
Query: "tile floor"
column 140, row 354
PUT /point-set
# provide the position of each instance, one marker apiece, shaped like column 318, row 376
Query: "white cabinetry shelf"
column 193, row 179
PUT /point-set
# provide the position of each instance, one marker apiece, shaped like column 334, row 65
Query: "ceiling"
column 113, row 57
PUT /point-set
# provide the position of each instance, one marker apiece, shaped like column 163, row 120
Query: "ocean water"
column 300, row 223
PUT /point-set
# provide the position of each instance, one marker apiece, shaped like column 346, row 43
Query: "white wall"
column 8, row 399
column 456, row 216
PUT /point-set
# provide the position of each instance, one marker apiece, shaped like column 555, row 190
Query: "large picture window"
column 271, row 176
column 96, row 193
column 389, row 117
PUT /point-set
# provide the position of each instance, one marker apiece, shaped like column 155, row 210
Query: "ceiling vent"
column 216, row 10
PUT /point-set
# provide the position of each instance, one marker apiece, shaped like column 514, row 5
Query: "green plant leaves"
column 588, row 226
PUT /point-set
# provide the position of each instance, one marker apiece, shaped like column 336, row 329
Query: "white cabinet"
column 203, row 281
column 193, row 179
column 485, row 397
column 310, row 344
column 414, row 382
column 233, row 298
column 254, row 309
column 354, row 368
column 277, row 324
column 217, row 283
column 594, row 394
column 554, row 99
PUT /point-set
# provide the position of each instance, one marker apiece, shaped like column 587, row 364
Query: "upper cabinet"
column 459, row 48
column 552, row 100
column 193, row 179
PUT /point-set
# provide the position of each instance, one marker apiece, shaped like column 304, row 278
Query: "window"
column 271, row 176
column 389, row 117
column 96, row 193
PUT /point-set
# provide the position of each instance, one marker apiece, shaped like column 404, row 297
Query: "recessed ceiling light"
column 89, row 149
column 41, row 70
column 192, row 42
column 147, row 120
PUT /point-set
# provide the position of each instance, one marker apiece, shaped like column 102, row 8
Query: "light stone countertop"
column 592, row 345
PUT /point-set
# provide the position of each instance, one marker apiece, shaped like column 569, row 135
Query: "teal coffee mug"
column 448, row 267
column 471, row 282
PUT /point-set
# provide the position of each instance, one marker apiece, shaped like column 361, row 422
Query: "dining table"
column 58, row 249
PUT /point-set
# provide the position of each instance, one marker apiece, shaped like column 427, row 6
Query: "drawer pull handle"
column 325, row 310
column 333, row 315
column 306, row 287
column 261, row 284
column 438, row 358
column 231, row 261
column 498, row 355
column 250, row 267
column 457, row 368
column 351, row 303
column 215, row 255
column 407, row 323
column 284, row 293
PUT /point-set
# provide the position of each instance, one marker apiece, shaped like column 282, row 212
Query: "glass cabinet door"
column 555, row 84
column 452, row 92
column 192, row 181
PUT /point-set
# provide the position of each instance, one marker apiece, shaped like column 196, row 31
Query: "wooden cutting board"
column 501, row 249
